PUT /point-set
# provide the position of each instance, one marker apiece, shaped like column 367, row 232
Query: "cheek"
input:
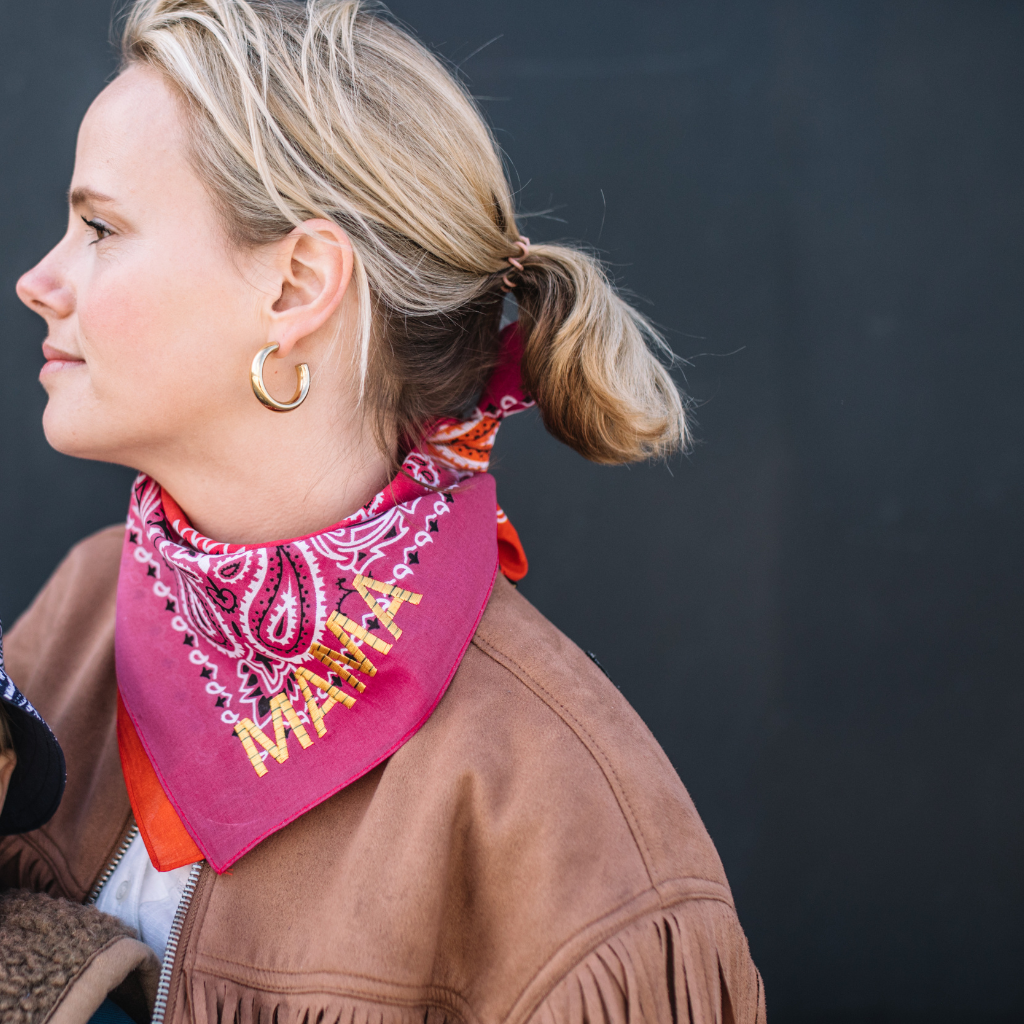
column 158, row 331
column 119, row 319
column 167, row 343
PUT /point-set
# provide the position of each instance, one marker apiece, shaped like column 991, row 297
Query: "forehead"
column 130, row 138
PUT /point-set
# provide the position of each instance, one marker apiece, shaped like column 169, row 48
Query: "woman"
column 352, row 775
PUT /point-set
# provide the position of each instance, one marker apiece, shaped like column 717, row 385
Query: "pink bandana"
column 262, row 679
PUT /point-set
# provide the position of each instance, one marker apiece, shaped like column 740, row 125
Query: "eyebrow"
column 84, row 196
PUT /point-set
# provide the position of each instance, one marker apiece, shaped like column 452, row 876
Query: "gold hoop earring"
column 260, row 389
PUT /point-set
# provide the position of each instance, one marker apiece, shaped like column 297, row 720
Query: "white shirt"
column 142, row 897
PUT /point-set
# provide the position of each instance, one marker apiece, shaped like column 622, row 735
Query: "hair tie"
column 524, row 244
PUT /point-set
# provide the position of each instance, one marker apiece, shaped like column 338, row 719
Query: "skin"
column 8, row 760
column 154, row 317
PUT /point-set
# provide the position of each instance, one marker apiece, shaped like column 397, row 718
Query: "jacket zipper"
column 94, row 893
column 170, row 952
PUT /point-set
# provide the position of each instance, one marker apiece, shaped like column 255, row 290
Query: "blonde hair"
column 329, row 109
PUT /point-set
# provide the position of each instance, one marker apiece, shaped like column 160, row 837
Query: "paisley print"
column 261, row 679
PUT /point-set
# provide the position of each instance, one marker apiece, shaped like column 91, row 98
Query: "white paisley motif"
column 263, row 607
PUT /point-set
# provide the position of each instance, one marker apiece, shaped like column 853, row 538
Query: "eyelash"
column 101, row 229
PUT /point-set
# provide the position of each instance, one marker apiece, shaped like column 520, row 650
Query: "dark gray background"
column 819, row 611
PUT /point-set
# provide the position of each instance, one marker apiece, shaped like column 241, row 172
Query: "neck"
column 284, row 485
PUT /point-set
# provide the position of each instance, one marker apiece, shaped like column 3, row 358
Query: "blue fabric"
column 37, row 782
column 110, row 1013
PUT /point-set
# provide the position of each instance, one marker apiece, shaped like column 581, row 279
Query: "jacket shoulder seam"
column 583, row 735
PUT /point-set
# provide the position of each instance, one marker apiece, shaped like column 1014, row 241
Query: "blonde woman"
column 320, row 753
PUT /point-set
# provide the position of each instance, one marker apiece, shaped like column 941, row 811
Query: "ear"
column 8, row 759
column 313, row 269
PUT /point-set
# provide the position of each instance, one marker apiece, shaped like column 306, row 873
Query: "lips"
column 57, row 360
column 56, row 355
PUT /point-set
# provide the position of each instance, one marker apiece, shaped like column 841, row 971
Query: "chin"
column 70, row 432
column 62, row 438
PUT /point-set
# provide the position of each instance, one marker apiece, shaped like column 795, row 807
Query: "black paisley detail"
column 283, row 616
column 224, row 597
column 195, row 606
column 158, row 523
column 139, row 487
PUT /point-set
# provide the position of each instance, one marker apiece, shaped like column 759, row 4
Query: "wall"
column 818, row 611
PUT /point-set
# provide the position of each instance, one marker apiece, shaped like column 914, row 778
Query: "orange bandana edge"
column 168, row 844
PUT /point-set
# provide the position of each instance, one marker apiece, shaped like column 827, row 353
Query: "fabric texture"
column 59, row 960
column 290, row 670
column 255, row 644
column 37, row 782
column 528, row 855
column 142, row 897
column 170, row 846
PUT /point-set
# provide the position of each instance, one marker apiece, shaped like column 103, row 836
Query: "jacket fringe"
column 219, row 1001
column 664, row 968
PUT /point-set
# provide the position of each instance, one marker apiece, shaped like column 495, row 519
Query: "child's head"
column 31, row 762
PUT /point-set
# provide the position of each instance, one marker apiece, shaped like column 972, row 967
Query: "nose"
column 45, row 292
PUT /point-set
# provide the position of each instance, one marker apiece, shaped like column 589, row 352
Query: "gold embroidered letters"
column 344, row 663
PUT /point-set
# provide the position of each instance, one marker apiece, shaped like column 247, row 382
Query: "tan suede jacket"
column 529, row 855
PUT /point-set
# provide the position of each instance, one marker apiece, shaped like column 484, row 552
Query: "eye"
column 101, row 229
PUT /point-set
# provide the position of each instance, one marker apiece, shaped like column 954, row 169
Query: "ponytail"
column 592, row 362
column 292, row 114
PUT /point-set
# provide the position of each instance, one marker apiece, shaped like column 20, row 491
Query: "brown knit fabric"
column 45, row 944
